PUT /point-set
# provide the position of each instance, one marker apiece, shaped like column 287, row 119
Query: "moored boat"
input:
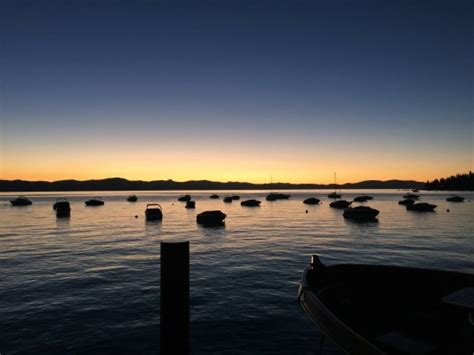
column 228, row 199
column 153, row 212
column 235, row 197
column 190, row 204
column 21, row 201
column 211, row 218
column 277, row 196
column 312, row 201
column 184, row 198
column 250, row 203
column 363, row 198
column 421, row 207
column 214, row 196
column 361, row 213
column 377, row 309
column 341, row 204
column 62, row 208
column 455, row 199
column 334, row 194
column 96, row 201
column 132, row 198
column 407, row 202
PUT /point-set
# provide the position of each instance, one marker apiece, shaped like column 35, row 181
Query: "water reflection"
column 212, row 230
column 244, row 274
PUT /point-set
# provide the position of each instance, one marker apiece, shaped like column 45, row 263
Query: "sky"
column 236, row 90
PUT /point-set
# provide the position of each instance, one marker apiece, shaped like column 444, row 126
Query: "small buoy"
column 306, row 211
column 136, row 216
column 447, row 210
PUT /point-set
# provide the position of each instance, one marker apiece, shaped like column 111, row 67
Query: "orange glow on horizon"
column 222, row 170
column 221, row 162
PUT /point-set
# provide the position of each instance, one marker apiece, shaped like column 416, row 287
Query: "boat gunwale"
column 308, row 299
column 306, row 292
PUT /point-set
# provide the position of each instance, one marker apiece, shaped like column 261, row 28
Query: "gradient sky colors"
column 236, row 90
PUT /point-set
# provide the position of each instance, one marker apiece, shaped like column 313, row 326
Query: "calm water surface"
column 90, row 283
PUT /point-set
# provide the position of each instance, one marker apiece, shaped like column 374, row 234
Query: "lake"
column 90, row 283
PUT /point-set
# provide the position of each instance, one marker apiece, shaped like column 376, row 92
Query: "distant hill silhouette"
column 460, row 182
column 119, row 184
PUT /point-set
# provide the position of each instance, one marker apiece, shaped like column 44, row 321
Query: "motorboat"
column 153, row 212
column 96, row 201
column 361, row 213
column 341, row 204
column 184, row 198
column 312, row 201
column 132, row 198
column 421, row 207
column 211, row 218
column 250, row 203
column 21, row 201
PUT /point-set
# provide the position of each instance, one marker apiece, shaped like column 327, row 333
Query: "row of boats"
column 409, row 199
column 154, row 211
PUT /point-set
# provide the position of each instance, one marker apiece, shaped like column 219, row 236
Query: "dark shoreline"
column 119, row 184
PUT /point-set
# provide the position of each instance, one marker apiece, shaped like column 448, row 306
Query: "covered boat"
column 190, row 204
column 455, row 199
column 228, row 199
column 377, row 309
column 407, row 202
column 96, row 201
column 214, row 196
column 184, row 198
column 361, row 213
column 363, row 198
column 312, row 201
column 153, row 212
column 62, row 208
column 341, row 204
column 132, row 198
column 421, row 207
column 21, row 201
column 211, row 218
column 277, row 196
column 250, row 203
column 412, row 196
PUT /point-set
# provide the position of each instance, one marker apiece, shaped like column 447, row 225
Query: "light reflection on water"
column 91, row 283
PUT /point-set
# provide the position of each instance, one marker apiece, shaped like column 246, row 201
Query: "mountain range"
column 114, row 184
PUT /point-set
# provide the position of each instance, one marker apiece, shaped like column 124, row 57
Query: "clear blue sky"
column 236, row 90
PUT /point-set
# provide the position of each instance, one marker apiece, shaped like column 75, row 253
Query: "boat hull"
column 421, row 207
column 94, row 203
column 21, row 202
column 211, row 218
column 312, row 201
column 364, row 308
column 250, row 203
column 361, row 213
column 153, row 214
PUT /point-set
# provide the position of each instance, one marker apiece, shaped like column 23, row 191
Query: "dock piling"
column 174, row 298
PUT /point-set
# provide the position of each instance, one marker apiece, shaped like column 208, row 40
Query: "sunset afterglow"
column 235, row 93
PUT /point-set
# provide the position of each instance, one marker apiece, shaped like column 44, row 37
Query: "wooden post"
column 174, row 301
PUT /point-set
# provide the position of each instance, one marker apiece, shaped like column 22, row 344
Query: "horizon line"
column 215, row 181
